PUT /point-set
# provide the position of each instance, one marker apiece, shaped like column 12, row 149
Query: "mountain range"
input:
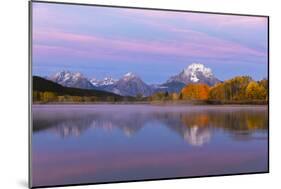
column 132, row 85
column 41, row 85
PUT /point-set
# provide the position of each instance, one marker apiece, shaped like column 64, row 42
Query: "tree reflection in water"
column 194, row 125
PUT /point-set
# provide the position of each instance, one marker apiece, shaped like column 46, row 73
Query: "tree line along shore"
column 238, row 90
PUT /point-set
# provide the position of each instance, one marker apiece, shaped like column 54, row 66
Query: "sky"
column 155, row 45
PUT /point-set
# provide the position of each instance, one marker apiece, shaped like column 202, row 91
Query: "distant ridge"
column 132, row 85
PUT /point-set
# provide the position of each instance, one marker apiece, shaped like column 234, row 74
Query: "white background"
column 14, row 92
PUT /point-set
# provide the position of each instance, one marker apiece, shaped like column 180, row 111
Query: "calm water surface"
column 102, row 143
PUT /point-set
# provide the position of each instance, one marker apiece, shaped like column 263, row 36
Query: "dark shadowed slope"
column 42, row 85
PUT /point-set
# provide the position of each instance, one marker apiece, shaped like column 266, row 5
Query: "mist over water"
column 102, row 143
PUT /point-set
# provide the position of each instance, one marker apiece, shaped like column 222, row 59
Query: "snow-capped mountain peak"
column 60, row 76
column 71, row 79
column 108, row 81
column 66, row 75
column 77, row 75
column 194, row 68
column 132, row 85
column 104, row 82
column 129, row 76
column 94, row 81
column 128, row 85
column 195, row 73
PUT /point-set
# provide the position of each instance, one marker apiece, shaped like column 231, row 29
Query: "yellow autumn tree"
column 217, row 92
column 264, row 83
column 49, row 96
column 195, row 92
column 174, row 96
column 254, row 91
column 232, row 89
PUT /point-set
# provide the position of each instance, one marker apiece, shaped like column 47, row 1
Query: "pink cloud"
column 207, row 19
column 187, row 43
column 195, row 44
column 228, row 20
column 48, row 15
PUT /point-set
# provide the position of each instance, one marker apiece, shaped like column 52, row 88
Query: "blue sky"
column 102, row 41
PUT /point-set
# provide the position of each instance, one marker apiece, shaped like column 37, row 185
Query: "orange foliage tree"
column 195, row 92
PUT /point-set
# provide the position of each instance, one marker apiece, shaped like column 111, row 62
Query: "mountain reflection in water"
column 195, row 125
column 74, row 144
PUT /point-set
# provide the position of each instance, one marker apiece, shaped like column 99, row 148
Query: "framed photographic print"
column 121, row 94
